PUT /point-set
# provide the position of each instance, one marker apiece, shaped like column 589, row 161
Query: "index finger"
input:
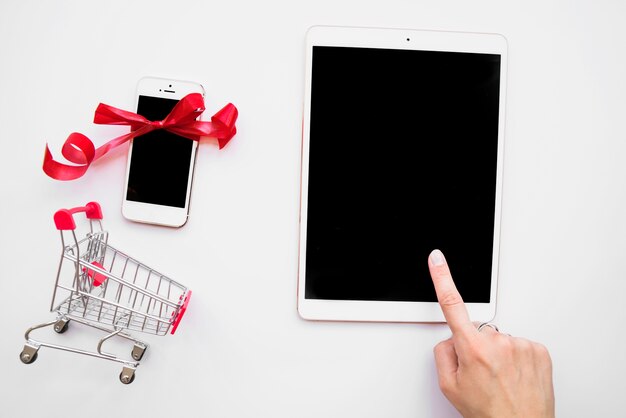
column 448, row 296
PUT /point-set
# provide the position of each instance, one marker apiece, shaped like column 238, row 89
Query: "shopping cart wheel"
column 28, row 354
column 138, row 350
column 127, row 376
column 61, row 325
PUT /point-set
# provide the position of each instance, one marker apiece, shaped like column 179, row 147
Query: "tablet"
column 402, row 153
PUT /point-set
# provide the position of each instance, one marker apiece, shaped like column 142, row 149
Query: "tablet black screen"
column 403, row 159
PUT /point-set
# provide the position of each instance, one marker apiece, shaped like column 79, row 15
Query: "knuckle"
column 504, row 343
column 542, row 354
column 446, row 385
column 440, row 346
column 523, row 345
column 451, row 299
column 541, row 350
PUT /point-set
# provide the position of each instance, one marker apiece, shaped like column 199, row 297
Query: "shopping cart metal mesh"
column 100, row 286
column 111, row 288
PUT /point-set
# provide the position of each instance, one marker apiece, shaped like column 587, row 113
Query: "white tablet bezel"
column 385, row 311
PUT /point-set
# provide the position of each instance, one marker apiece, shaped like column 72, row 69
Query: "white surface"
column 242, row 351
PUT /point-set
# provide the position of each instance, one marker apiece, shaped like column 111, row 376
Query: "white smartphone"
column 160, row 167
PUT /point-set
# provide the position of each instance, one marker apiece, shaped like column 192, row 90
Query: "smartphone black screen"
column 159, row 166
column 403, row 160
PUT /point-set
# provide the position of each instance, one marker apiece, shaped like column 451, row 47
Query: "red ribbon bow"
column 78, row 149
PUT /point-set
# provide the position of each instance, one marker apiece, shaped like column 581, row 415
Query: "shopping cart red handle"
column 64, row 219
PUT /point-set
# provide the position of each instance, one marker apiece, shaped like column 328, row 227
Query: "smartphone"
column 159, row 173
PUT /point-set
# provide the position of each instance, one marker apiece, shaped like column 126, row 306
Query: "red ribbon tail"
column 226, row 119
column 77, row 149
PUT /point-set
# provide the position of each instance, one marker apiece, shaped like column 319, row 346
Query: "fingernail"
column 437, row 258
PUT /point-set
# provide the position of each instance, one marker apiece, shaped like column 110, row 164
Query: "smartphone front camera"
column 408, row 39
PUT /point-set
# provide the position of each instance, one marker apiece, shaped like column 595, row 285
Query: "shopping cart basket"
column 101, row 287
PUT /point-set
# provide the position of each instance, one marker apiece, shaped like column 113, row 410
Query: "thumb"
column 447, row 363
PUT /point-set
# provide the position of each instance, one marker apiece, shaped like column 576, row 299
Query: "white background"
column 242, row 350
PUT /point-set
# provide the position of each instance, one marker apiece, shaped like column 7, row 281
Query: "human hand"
column 486, row 373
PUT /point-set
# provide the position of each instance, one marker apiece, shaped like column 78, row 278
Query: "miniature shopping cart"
column 101, row 287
